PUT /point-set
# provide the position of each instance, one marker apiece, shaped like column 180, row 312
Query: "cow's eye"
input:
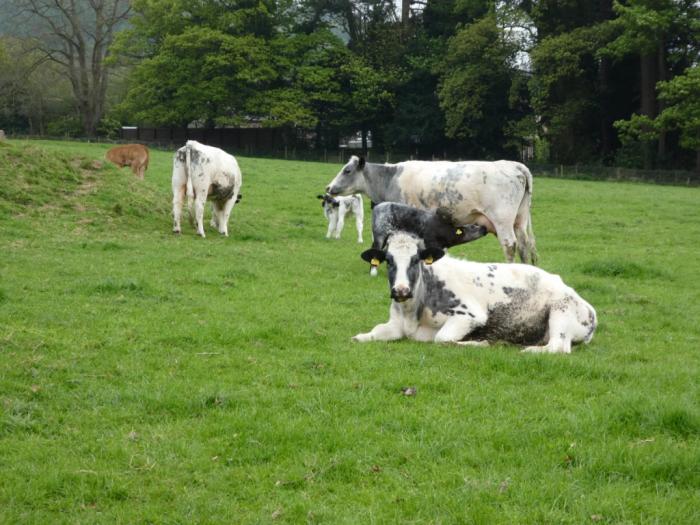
column 346, row 171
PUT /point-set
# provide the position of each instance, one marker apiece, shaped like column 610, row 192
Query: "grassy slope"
column 146, row 377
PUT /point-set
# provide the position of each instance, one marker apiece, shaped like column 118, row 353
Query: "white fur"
column 351, row 205
column 197, row 170
column 480, row 289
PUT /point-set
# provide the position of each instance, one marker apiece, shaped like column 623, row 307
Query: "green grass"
column 153, row 378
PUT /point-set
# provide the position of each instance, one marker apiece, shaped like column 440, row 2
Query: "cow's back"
column 464, row 188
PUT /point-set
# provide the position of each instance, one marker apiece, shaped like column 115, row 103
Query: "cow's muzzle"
column 401, row 293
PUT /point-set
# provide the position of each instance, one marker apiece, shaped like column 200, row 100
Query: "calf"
column 337, row 208
column 442, row 299
column 133, row 155
column 434, row 227
column 204, row 172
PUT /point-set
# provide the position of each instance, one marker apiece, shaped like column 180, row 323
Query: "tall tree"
column 663, row 34
column 77, row 36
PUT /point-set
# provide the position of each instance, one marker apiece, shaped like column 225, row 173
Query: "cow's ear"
column 373, row 256
column 430, row 255
column 361, row 163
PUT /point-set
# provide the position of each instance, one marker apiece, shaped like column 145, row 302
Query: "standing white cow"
column 337, row 208
column 496, row 195
column 205, row 172
column 445, row 300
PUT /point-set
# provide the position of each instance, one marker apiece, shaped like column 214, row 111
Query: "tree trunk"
column 405, row 11
column 661, row 75
column 648, row 99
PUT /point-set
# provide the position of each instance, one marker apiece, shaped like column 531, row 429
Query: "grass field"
column 153, row 378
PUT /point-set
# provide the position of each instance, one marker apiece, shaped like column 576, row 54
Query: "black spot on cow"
column 220, row 193
column 515, row 320
column 438, row 298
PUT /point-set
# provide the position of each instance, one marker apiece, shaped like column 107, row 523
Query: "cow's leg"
column 339, row 224
column 178, row 198
column 457, row 327
column 425, row 333
column 359, row 225
column 200, row 200
column 506, row 236
column 225, row 212
column 523, row 244
column 215, row 211
column 382, row 332
column 389, row 331
column 332, row 220
column 481, row 344
column 559, row 334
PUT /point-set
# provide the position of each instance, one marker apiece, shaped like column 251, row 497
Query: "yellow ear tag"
column 429, row 259
column 459, row 231
column 374, row 261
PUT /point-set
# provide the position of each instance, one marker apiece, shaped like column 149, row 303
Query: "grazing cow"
column 204, row 172
column 337, row 208
column 442, row 299
column 434, row 227
column 133, row 155
column 496, row 195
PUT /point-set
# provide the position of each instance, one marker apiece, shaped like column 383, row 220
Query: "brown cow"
column 134, row 155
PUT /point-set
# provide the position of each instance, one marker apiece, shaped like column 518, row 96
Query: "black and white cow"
column 434, row 227
column 496, row 195
column 337, row 208
column 204, row 172
column 439, row 298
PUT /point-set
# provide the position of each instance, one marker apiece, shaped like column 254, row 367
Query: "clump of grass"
column 113, row 286
column 617, row 268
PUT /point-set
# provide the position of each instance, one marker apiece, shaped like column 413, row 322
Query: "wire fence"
column 263, row 143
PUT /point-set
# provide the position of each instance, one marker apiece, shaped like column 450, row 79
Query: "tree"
column 77, row 36
column 663, row 34
column 32, row 91
column 681, row 98
column 475, row 86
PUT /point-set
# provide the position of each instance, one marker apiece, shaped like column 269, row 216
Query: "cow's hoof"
column 177, row 232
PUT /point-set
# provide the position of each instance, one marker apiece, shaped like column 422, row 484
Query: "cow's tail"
column 525, row 233
column 190, row 189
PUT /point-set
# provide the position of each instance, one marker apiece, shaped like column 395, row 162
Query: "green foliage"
column 65, row 126
column 681, row 112
column 148, row 377
column 477, row 75
column 681, row 97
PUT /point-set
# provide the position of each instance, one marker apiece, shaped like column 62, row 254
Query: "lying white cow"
column 496, row 195
column 441, row 299
column 204, row 172
column 337, row 208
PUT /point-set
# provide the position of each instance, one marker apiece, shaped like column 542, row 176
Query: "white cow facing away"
column 337, row 208
column 445, row 300
column 496, row 195
column 205, row 173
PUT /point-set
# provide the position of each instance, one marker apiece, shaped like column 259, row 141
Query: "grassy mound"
column 37, row 180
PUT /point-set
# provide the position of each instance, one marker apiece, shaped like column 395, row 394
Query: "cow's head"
column 445, row 233
column 327, row 200
column 404, row 258
column 350, row 179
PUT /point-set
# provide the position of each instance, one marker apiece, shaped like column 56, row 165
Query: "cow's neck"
column 380, row 183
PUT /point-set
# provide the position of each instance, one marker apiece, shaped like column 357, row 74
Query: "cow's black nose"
column 483, row 231
column 401, row 293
